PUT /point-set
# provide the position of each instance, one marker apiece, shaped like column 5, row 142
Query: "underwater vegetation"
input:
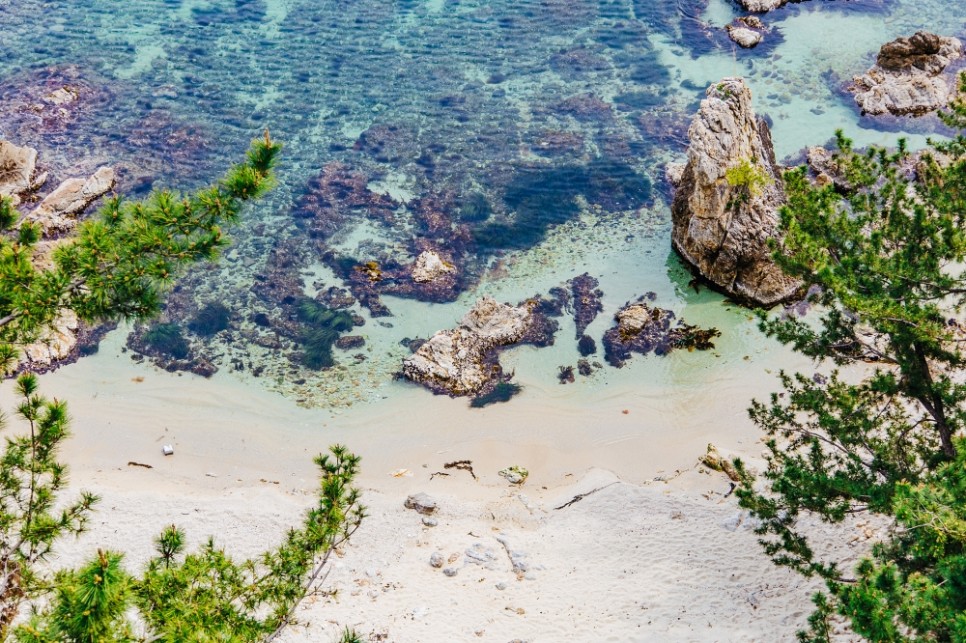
column 211, row 319
column 323, row 326
column 544, row 197
column 502, row 392
column 167, row 339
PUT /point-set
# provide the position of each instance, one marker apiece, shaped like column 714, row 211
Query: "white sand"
column 639, row 560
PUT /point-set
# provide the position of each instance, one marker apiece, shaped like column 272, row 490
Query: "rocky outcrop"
column 747, row 32
column 429, row 266
column 641, row 328
column 462, row 361
column 59, row 210
column 725, row 207
column 912, row 76
column 17, row 168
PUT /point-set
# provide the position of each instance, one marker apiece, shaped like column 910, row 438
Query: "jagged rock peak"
column 726, row 204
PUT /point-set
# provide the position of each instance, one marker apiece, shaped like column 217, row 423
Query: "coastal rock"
column 55, row 343
column 747, row 31
column 17, row 167
column 462, row 361
column 643, row 329
column 429, row 266
column 762, row 6
column 421, row 503
column 725, row 208
column 912, row 76
column 57, row 213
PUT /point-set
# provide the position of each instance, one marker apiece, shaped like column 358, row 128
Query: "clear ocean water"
column 540, row 126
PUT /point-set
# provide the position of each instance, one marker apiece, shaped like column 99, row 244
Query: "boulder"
column 460, row 361
column 744, row 36
column 58, row 212
column 912, row 76
column 17, row 167
column 429, row 266
column 725, row 208
column 762, row 6
column 421, row 503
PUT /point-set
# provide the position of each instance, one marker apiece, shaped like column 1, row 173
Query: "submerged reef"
column 641, row 328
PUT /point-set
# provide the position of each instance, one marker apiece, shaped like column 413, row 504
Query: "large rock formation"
column 462, row 361
column 912, row 76
column 726, row 204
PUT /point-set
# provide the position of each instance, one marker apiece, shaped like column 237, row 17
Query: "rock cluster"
column 912, row 76
column 725, row 207
column 641, row 328
column 57, row 214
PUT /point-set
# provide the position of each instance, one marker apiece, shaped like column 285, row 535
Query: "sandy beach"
column 653, row 549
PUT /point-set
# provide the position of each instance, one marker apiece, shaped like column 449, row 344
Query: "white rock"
column 429, row 266
column 745, row 37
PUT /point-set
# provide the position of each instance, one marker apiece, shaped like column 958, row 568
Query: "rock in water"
column 58, row 212
column 17, row 166
column 747, row 31
column 462, row 361
column 761, row 6
column 429, row 266
column 726, row 205
column 745, row 37
column 912, row 76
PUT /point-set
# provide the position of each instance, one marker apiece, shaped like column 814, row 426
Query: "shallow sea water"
column 448, row 96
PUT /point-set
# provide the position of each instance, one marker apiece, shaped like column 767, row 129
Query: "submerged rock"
column 429, row 266
column 462, row 361
column 726, row 204
column 912, row 76
column 643, row 329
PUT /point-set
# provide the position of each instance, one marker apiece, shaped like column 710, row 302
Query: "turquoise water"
column 525, row 138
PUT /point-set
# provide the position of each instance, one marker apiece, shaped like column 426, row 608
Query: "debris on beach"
column 421, row 503
column 514, row 474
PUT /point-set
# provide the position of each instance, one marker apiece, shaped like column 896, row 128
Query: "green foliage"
column 168, row 339
column 117, row 264
column 212, row 318
column 115, row 268
column 32, row 514
column 323, row 326
column 749, row 178
column 204, row 595
column 885, row 262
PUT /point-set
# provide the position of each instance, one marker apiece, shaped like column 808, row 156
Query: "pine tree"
column 883, row 433
column 116, row 267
